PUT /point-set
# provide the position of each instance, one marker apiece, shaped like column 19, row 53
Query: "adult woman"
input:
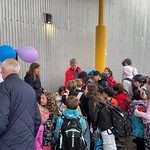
column 33, row 78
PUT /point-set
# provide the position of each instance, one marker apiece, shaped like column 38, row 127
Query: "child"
column 121, row 97
column 39, row 137
column 139, row 82
column 70, row 114
column 53, row 110
column 59, row 94
column 111, row 81
column 138, row 128
column 108, row 94
column 79, row 86
column 127, row 81
column 49, row 111
column 105, row 124
column 146, row 119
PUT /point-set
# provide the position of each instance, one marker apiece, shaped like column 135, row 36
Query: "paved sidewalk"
column 129, row 145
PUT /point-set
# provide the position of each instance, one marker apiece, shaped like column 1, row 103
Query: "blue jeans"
column 86, row 136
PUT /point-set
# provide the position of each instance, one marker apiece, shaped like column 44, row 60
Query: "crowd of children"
column 79, row 113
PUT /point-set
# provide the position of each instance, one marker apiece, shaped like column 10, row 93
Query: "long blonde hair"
column 52, row 107
column 43, row 112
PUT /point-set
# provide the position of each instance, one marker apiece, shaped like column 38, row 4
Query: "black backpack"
column 128, row 124
column 118, row 121
column 114, row 119
column 71, row 137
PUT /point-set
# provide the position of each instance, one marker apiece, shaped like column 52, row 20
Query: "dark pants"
column 140, row 143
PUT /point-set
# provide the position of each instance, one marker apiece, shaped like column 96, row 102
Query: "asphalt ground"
column 129, row 145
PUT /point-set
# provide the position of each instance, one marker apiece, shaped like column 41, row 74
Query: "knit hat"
column 128, row 70
column 109, row 91
column 82, row 75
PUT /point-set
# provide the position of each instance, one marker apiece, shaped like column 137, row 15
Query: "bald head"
column 10, row 66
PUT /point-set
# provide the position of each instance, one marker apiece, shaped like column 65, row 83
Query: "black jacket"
column 104, row 120
column 36, row 85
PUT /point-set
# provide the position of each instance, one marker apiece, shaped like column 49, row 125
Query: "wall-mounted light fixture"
column 47, row 18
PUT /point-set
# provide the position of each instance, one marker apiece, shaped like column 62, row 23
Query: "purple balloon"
column 28, row 54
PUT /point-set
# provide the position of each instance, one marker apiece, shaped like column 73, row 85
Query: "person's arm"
column 4, row 111
column 67, row 78
column 59, row 123
column 69, row 75
column 29, row 80
column 145, row 115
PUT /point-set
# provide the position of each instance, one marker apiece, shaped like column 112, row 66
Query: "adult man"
column 19, row 113
column 1, row 79
column 73, row 71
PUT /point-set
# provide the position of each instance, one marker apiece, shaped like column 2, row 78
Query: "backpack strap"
column 128, row 79
column 79, row 95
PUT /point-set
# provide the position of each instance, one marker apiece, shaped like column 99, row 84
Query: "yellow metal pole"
column 100, row 54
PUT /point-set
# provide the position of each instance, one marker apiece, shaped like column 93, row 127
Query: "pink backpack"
column 39, row 137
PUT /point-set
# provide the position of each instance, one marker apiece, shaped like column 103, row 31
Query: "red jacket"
column 122, row 99
column 70, row 75
column 111, row 81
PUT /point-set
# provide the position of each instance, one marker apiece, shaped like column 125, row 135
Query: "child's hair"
column 140, row 78
column 109, row 91
column 118, row 88
column 109, row 71
column 72, row 102
column 126, row 61
column 61, row 89
column 93, row 93
column 71, row 85
column 51, row 104
column 136, row 95
column 43, row 111
column 79, row 83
